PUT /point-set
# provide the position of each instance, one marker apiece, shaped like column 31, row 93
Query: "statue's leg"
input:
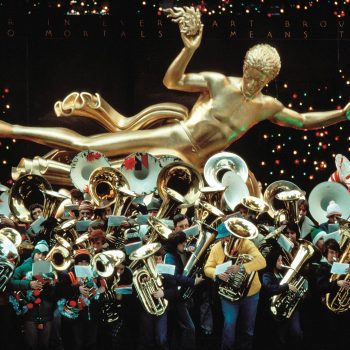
column 162, row 139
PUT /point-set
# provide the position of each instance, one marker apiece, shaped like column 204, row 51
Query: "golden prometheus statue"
column 225, row 110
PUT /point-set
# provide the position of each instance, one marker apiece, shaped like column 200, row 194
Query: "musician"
column 305, row 223
column 36, row 302
column 333, row 211
column 176, row 255
column 336, row 326
column 86, row 210
column 286, row 333
column 181, row 222
column 154, row 328
column 97, row 239
column 293, row 234
column 78, row 305
column 318, row 238
column 247, row 306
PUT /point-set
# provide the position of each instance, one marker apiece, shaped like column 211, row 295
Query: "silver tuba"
column 147, row 281
column 238, row 283
column 290, row 199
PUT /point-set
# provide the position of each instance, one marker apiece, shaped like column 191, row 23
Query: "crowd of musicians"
column 257, row 281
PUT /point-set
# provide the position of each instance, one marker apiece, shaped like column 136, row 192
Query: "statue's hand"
column 191, row 27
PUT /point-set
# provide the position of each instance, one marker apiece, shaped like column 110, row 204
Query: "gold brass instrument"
column 213, row 196
column 284, row 304
column 104, row 264
column 198, row 258
column 254, row 204
column 178, row 183
column 52, row 200
column 207, row 213
column 238, row 283
column 270, row 196
column 147, row 281
column 67, row 231
column 158, row 230
column 290, row 199
column 15, row 237
column 60, row 254
column 339, row 302
column 27, row 190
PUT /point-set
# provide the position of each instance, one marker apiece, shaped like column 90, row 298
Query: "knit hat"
column 40, row 247
column 80, row 255
column 317, row 234
column 222, row 231
column 333, row 209
column 97, row 234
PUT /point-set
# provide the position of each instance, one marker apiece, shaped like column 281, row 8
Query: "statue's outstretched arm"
column 191, row 30
column 310, row 120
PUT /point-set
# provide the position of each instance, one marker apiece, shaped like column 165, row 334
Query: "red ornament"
column 37, row 301
column 30, row 306
column 97, row 155
column 296, row 161
column 72, row 303
column 36, row 292
column 295, row 96
column 277, row 161
column 90, row 157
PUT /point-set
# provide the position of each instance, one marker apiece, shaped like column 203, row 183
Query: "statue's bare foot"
column 5, row 129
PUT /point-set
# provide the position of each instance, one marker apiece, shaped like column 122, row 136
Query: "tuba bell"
column 238, row 283
column 27, row 190
column 322, row 194
column 290, row 199
column 270, row 195
column 60, row 254
column 178, row 183
column 147, row 281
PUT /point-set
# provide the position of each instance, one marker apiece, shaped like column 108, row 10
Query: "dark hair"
column 97, row 225
column 33, row 207
column 272, row 255
column 178, row 217
column 75, row 193
column 174, row 239
column 292, row 227
column 303, row 202
column 331, row 244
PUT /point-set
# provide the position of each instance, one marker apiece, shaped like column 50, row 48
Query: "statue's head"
column 265, row 59
column 262, row 64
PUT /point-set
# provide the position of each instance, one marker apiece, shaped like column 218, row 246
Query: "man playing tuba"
column 247, row 305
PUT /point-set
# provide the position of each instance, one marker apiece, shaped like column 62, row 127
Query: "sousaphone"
column 325, row 192
column 83, row 164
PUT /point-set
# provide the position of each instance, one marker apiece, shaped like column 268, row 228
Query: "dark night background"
column 36, row 71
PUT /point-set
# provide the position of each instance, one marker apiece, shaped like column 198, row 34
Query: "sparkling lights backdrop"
column 272, row 152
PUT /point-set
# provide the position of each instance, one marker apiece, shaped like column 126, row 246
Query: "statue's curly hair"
column 264, row 58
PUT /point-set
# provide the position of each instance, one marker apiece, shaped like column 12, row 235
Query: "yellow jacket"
column 217, row 256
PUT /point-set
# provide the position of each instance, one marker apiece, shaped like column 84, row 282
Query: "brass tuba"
column 339, row 302
column 284, row 304
column 178, row 183
column 147, row 281
column 27, row 190
column 290, row 199
column 60, row 254
column 104, row 264
column 238, row 283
